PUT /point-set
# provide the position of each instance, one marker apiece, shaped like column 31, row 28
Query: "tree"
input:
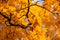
column 29, row 19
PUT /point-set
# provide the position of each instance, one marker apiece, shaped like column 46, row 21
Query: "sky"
column 38, row 0
column 41, row 1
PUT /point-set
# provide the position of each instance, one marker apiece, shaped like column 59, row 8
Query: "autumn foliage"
column 29, row 19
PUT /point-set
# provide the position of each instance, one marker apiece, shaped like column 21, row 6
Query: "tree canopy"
column 29, row 19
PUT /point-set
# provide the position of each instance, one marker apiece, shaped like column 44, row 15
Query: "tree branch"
column 21, row 25
column 9, row 20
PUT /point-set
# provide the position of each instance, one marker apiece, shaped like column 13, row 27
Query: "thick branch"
column 28, row 9
column 9, row 20
column 44, row 8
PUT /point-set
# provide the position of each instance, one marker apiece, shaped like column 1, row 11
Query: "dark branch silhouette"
column 21, row 25
column 28, row 10
column 9, row 20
